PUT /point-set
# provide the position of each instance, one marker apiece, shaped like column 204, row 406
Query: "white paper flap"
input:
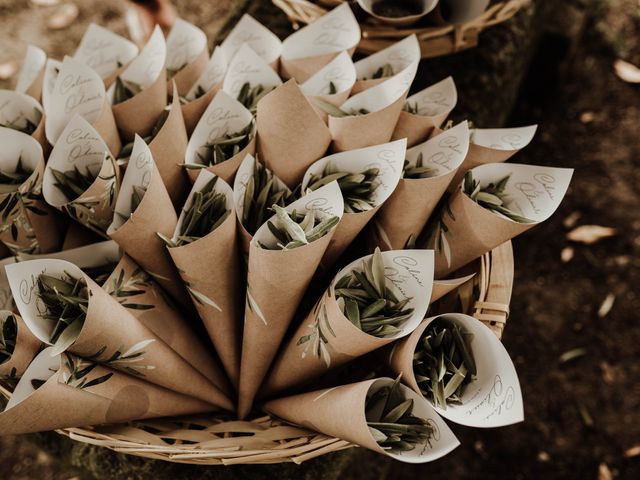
column 18, row 146
column 387, row 157
column 399, row 55
column 87, row 256
column 339, row 71
column 262, row 40
column 184, row 43
column 503, row 138
column 34, row 60
column 444, row 152
column 248, row 66
column 138, row 174
column 223, row 115
column 334, row 32
column 18, row 110
column 23, row 279
column 436, row 99
column 493, row 398
column 43, row 367
column 532, row 191
column 79, row 145
column 104, row 51
column 51, row 71
column 411, row 274
column 212, row 75
column 78, row 90
column 324, row 202
column 383, row 94
column 442, row 441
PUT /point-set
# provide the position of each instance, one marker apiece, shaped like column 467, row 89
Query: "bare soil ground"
column 583, row 415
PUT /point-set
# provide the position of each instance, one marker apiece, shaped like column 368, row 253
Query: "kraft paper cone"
column 78, row 90
column 471, row 230
column 327, row 339
column 443, row 287
column 223, row 116
column 81, row 146
column 384, row 102
column 291, row 135
column 400, row 56
column 78, row 236
column 73, row 397
column 247, row 66
column 389, row 158
column 261, row 40
column 276, row 282
column 340, row 412
column 493, row 146
column 104, row 51
column 29, row 224
column 110, row 334
column 244, row 174
column 187, row 54
column 405, row 214
column 493, row 398
column 341, row 73
column 6, row 299
column 210, row 267
column 168, row 148
column 425, row 6
column 135, row 290
column 433, row 104
column 32, row 73
column 136, row 232
column 24, row 350
column 204, row 89
column 309, row 49
column 138, row 114
column 19, row 111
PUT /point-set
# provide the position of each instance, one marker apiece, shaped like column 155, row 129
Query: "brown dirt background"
column 589, row 120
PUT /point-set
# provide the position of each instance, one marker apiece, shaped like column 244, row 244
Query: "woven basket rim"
column 435, row 40
column 208, row 440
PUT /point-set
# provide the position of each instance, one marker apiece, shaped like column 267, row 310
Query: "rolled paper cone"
column 261, row 40
column 291, row 134
column 210, row 267
column 25, row 349
column 493, row 398
column 81, row 146
column 105, row 125
column 493, row 146
column 32, row 73
column 41, row 138
column 110, row 334
column 167, row 149
column 309, row 49
column 110, row 80
column 276, row 282
column 150, row 305
column 6, row 298
column 78, row 236
column 340, row 412
column 472, row 230
column 405, row 214
column 327, row 339
column 398, row 56
column 434, row 105
column 444, row 287
column 92, row 256
column 187, row 53
column 29, row 224
column 388, row 158
column 358, row 131
column 20, row 112
column 223, row 116
column 192, row 111
column 102, row 396
column 186, row 77
column 136, row 232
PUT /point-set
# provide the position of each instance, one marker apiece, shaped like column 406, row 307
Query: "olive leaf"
column 492, row 197
column 29, row 127
column 124, row 90
column 73, row 183
column 334, row 111
column 296, row 229
column 207, row 211
column 66, row 300
column 443, row 363
column 126, row 150
column 391, row 421
column 10, row 181
column 222, row 148
column 8, row 336
column 384, row 71
column 249, row 96
column 418, row 170
column 411, row 108
column 368, row 302
column 358, row 189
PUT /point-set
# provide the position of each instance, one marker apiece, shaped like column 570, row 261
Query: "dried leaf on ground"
column 626, row 71
column 606, row 305
column 590, row 234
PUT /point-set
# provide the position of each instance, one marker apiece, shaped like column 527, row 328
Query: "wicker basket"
column 435, row 41
column 217, row 440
